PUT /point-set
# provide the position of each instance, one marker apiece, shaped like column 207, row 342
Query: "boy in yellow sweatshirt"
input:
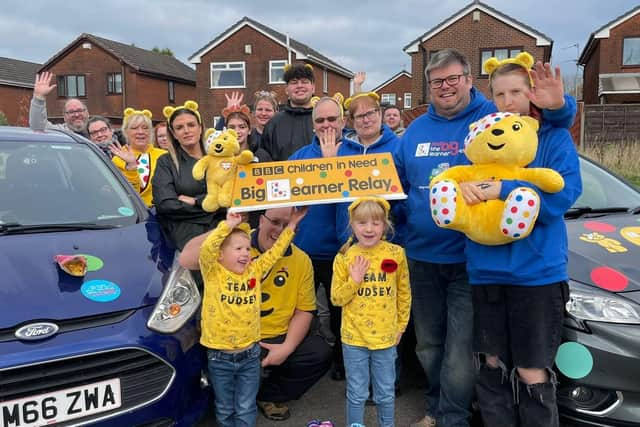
column 371, row 283
column 231, row 315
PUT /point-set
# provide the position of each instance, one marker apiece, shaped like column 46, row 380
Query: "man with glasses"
column 101, row 133
column 291, row 128
column 441, row 308
column 293, row 359
column 75, row 112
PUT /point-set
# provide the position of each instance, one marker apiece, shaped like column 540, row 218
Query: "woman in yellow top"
column 137, row 161
column 371, row 283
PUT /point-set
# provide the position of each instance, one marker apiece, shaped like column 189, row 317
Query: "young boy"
column 231, row 315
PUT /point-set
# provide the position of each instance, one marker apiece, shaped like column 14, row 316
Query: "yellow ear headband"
column 337, row 97
column 379, row 200
column 188, row 105
column 523, row 59
column 371, row 95
column 243, row 226
column 288, row 67
column 130, row 112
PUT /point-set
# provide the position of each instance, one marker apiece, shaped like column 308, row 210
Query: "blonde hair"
column 368, row 209
column 136, row 119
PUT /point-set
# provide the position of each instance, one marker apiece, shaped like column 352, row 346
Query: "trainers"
column 427, row 421
column 274, row 411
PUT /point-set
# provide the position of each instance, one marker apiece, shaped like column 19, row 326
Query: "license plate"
column 61, row 405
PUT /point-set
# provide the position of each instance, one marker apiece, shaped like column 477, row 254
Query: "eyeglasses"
column 97, row 131
column 276, row 222
column 451, row 80
column 321, row 120
column 369, row 115
column 78, row 111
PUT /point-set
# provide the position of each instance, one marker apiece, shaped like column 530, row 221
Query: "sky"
column 359, row 35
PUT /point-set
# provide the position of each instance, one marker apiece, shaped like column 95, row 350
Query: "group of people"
column 487, row 318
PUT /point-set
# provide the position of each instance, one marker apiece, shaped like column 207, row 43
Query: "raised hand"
column 129, row 157
column 235, row 100
column 358, row 80
column 42, row 86
column 296, row 216
column 548, row 90
column 233, row 219
column 328, row 144
column 358, row 268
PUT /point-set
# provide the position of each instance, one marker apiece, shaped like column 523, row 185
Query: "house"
column 110, row 76
column 16, row 89
column 396, row 90
column 479, row 32
column 248, row 57
column 611, row 60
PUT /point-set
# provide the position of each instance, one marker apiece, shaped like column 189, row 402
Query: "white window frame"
column 228, row 66
column 487, row 53
column 407, row 100
column 325, row 81
column 384, row 98
column 624, row 50
column 276, row 64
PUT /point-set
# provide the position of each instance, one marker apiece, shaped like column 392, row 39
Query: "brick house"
column 611, row 60
column 396, row 90
column 16, row 89
column 248, row 57
column 479, row 32
column 110, row 76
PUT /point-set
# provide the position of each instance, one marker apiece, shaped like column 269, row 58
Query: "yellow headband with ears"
column 379, row 200
column 337, row 97
column 129, row 112
column 188, row 105
column 371, row 95
column 523, row 59
column 288, row 67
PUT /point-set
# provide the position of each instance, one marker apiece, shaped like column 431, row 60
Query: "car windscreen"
column 602, row 190
column 65, row 183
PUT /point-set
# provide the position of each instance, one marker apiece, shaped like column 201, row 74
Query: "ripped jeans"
column 522, row 326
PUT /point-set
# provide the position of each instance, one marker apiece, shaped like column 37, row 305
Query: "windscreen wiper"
column 17, row 228
column 578, row 211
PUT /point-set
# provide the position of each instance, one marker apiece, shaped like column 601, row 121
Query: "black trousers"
column 323, row 272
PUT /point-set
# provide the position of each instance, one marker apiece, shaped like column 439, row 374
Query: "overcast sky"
column 359, row 35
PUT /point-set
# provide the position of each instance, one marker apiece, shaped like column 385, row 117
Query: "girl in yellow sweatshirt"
column 371, row 283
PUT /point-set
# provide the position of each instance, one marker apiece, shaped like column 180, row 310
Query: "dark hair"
column 445, row 57
column 299, row 71
column 175, row 145
column 94, row 119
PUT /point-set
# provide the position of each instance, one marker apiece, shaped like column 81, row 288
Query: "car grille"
column 143, row 377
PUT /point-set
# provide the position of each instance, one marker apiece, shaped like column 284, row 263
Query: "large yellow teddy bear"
column 219, row 166
column 500, row 145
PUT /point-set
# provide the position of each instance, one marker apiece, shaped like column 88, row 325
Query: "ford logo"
column 36, row 331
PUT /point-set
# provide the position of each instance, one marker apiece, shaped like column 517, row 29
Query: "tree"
column 3, row 119
column 163, row 51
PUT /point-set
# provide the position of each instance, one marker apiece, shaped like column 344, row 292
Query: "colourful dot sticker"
column 242, row 174
column 345, row 194
column 93, row 262
column 385, row 161
column 300, row 181
column 348, row 173
column 574, row 360
column 323, row 174
column 259, row 181
column 600, row 227
column 375, row 172
column 100, row 290
column 237, row 202
column 125, row 211
column 395, row 188
column 609, row 279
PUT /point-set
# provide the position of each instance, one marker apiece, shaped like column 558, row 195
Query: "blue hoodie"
column 316, row 234
column 541, row 258
column 430, row 145
column 387, row 143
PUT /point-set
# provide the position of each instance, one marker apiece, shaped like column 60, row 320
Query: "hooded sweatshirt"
column 287, row 131
column 430, row 145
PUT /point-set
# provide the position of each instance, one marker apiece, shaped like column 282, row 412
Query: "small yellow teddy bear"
column 219, row 166
column 500, row 145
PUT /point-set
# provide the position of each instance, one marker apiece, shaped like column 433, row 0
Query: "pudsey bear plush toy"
column 500, row 145
column 219, row 166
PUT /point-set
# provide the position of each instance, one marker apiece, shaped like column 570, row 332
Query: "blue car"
column 117, row 346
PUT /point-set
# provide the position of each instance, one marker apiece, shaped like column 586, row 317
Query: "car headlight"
column 589, row 303
column 179, row 301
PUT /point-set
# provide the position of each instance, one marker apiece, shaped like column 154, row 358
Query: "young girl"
column 519, row 289
column 371, row 283
column 231, row 315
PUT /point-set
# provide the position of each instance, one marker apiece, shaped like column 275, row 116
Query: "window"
column 172, row 92
column 227, row 74
column 276, row 71
column 631, row 51
column 388, row 98
column 114, row 83
column 325, row 81
column 500, row 53
column 71, row 86
column 407, row 100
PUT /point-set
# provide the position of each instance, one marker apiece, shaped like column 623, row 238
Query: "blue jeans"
column 235, row 378
column 359, row 362
column 443, row 318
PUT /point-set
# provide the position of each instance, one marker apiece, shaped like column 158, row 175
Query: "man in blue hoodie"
column 442, row 308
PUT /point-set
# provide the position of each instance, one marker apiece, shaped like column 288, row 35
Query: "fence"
column 611, row 123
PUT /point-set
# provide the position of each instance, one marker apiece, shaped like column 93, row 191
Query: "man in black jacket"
column 292, row 127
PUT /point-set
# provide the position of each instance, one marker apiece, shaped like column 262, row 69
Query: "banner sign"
column 314, row 181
